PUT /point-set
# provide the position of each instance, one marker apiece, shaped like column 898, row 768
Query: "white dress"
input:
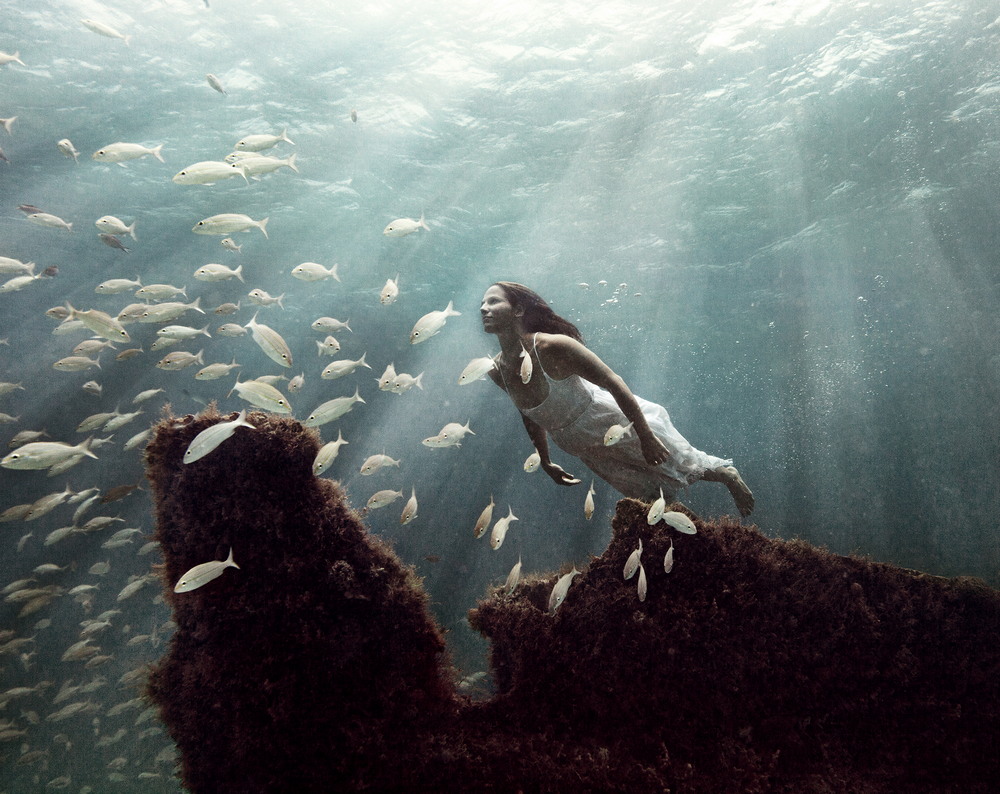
column 577, row 413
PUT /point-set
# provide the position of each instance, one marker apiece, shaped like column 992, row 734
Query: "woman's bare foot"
column 741, row 494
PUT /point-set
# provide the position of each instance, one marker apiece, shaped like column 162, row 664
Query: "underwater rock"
column 755, row 665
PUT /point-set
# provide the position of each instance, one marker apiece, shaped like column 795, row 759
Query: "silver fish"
column 120, row 152
column 327, row 454
column 215, row 83
column 204, row 573
column 404, row 226
column 431, row 323
column 484, row 519
column 257, row 143
column 532, row 462
column 43, row 454
column 588, row 503
column 333, row 409
column 263, row 395
column 271, row 342
column 561, row 588
column 390, row 291
column 410, row 510
column 680, row 522
column 383, row 498
column 227, row 223
column 500, row 529
column 375, row 462
column 211, row 437
column 513, row 577
column 668, row 558
column 476, row 370
column 641, row 587
column 616, row 433
column 313, row 271
column 451, row 435
column 656, row 509
column 337, row 369
column 526, row 365
column 633, row 563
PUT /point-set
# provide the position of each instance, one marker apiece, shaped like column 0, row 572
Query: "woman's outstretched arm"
column 541, row 441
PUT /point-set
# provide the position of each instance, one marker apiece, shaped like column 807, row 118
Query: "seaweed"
column 756, row 664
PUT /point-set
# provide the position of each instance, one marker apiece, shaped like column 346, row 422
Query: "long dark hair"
column 538, row 316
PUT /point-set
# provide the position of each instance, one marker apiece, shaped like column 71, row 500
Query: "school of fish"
column 136, row 315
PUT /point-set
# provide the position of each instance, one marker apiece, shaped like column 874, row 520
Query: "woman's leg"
column 732, row 480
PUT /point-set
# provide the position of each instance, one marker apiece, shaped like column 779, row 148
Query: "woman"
column 575, row 397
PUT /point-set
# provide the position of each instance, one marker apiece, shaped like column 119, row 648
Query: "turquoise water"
column 785, row 213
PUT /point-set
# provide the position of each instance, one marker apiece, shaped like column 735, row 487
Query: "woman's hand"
column 558, row 474
column 653, row 450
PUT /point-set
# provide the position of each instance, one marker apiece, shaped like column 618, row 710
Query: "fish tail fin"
column 336, row 277
column 239, row 273
column 285, row 138
column 69, row 227
column 127, row 40
column 131, row 230
column 85, row 447
column 281, row 300
column 419, row 381
column 423, row 221
column 362, row 362
column 291, row 162
column 196, row 305
column 156, row 153
column 262, row 225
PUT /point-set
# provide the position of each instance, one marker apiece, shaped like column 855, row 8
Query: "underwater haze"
column 778, row 219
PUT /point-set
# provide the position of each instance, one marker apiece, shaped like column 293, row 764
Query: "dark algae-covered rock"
column 754, row 665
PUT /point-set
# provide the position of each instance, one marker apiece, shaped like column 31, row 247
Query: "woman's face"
column 496, row 310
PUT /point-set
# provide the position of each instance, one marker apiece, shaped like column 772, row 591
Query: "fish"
column 179, row 359
column 211, row 437
column 295, row 384
column 383, row 498
column 263, row 298
column 105, row 30
column 532, row 462
column 337, row 369
column 476, row 370
column 484, row 519
column 67, row 148
column 431, row 323
column 113, row 286
column 182, row 332
column 500, row 529
column 76, row 364
column 375, row 462
column 258, row 143
column 263, row 395
column 142, row 396
column 44, row 454
column 214, row 81
column 137, row 439
column 328, row 347
column 354, row 116
column 6, row 58
column 390, row 291
column 410, row 510
column 616, row 433
column 271, row 342
column 526, row 365
column 327, row 454
column 121, row 152
column 216, row 272
column 560, row 589
column 160, row 291
column 224, row 309
column 169, row 310
column 450, row 435
column 330, row 324
column 668, row 558
column 386, row 378
column 588, row 503
column 227, row 223
column 680, row 522
column 313, row 271
column 404, row 226
column 656, row 509
column 113, row 225
column 10, row 265
column 49, row 220
column 633, row 562
column 641, row 586
column 403, row 382
column 232, row 330
column 257, row 164
column 513, row 577
column 112, row 242
column 332, row 409
column 120, row 420
column 201, row 575
column 18, row 283
column 215, row 371
column 208, row 172
column 230, row 245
